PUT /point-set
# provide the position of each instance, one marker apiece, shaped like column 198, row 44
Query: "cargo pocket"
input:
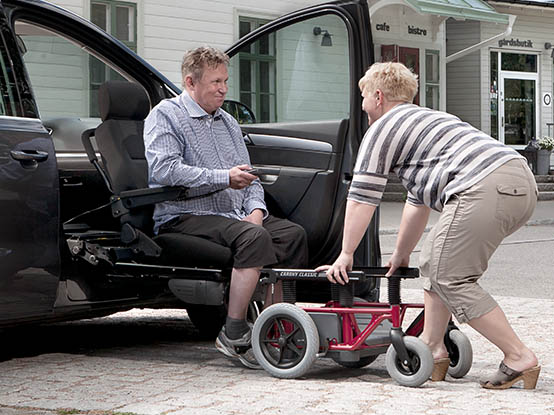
column 511, row 203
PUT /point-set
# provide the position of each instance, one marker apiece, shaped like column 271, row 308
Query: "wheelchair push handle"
column 356, row 275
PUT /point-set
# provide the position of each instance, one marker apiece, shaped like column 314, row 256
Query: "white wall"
column 463, row 79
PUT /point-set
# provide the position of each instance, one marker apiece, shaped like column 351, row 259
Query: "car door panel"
column 309, row 121
column 307, row 157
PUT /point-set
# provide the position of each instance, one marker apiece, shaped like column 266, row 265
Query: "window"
column 493, row 91
column 257, row 72
column 8, row 92
column 294, row 74
column 58, row 70
column 432, row 79
column 519, row 62
column 119, row 20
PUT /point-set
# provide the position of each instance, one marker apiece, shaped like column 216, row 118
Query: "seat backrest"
column 123, row 107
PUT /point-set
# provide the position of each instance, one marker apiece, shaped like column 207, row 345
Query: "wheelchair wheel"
column 363, row 362
column 420, row 353
column 285, row 341
column 460, row 353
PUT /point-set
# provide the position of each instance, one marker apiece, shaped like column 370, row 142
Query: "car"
column 302, row 126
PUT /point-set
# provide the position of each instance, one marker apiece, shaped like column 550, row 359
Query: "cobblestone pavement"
column 152, row 362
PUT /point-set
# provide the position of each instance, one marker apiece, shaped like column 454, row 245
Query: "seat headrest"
column 123, row 100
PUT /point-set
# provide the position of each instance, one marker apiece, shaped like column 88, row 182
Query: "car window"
column 65, row 78
column 297, row 73
column 8, row 93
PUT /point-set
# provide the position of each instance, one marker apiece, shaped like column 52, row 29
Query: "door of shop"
column 407, row 56
column 517, row 99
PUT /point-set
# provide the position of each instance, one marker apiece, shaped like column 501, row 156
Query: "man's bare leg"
column 243, row 284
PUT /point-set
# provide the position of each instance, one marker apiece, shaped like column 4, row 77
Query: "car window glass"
column 8, row 93
column 65, row 78
column 297, row 73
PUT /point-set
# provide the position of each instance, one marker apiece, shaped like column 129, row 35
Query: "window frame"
column 437, row 83
column 111, row 27
column 256, row 57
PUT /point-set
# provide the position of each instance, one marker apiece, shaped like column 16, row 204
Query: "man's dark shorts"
column 278, row 242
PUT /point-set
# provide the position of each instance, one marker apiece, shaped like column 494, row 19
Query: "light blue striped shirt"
column 186, row 146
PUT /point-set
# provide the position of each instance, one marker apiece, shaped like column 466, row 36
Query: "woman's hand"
column 337, row 273
column 396, row 261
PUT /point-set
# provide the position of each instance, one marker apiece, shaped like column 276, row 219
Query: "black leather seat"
column 123, row 108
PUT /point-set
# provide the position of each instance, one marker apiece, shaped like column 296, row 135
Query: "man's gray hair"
column 195, row 60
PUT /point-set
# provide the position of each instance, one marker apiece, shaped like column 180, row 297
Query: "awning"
column 459, row 9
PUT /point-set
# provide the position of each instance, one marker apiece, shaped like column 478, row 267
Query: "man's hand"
column 239, row 178
column 256, row 217
column 337, row 273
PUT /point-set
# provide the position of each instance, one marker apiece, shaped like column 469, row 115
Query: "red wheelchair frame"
column 286, row 328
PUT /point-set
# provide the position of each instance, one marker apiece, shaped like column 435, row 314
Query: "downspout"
column 467, row 51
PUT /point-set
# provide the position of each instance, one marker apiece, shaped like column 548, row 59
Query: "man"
column 484, row 191
column 190, row 141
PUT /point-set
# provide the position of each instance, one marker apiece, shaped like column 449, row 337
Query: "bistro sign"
column 515, row 42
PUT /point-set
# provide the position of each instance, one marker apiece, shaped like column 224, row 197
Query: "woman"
column 484, row 191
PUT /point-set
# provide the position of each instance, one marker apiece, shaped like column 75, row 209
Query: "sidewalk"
column 391, row 213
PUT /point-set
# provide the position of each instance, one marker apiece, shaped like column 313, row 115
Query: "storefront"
column 415, row 32
column 520, row 76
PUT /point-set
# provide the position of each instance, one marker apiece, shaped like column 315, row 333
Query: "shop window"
column 519, row 62
column 432, row 79
column 257, row 72
column 119, row 20
column 493, row 94
column 8, row 92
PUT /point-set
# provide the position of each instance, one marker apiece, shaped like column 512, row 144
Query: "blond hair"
column 195, row 60
column 396, row 81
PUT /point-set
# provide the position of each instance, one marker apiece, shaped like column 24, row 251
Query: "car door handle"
column 29, row 155
column 246, row 139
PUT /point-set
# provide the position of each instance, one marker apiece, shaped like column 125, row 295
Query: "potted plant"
column 545, row 147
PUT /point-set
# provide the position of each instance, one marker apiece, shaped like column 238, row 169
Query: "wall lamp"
column 547, row 46
column 326, row 39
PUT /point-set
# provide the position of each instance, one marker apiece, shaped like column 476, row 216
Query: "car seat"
column 198, row 270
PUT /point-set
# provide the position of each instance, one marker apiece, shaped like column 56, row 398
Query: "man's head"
column 385, row 85
column 204, row 72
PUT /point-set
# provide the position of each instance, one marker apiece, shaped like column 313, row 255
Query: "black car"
column 65, row 252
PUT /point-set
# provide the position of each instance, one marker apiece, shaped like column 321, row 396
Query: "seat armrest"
column 149, row 196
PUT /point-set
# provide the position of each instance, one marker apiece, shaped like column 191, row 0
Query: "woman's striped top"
column 434, row 154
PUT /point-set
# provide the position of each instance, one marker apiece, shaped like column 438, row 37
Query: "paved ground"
column 150, row 362
column 153, row 362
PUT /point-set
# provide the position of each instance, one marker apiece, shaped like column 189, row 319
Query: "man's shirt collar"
column 195, row 110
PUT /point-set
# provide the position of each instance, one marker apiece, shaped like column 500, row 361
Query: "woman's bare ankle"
column 521, row 361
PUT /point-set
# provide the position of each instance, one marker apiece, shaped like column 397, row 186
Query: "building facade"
column 504, row 86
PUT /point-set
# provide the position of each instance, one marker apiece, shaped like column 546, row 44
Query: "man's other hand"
column 239, row 178
column 256, row 217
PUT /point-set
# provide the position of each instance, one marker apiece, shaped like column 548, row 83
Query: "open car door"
column 299, row 76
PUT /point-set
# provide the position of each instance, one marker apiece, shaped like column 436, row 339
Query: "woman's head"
column 396, row 81
column 384, row 86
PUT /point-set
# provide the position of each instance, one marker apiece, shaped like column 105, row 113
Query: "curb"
column 532, row 222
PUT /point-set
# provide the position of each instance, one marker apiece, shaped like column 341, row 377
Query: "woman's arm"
column 356, row 220
column 412, row 225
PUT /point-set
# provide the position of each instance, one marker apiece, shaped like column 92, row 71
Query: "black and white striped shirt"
column 434, row 154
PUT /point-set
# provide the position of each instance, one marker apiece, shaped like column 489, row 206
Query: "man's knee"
column 254, row 248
